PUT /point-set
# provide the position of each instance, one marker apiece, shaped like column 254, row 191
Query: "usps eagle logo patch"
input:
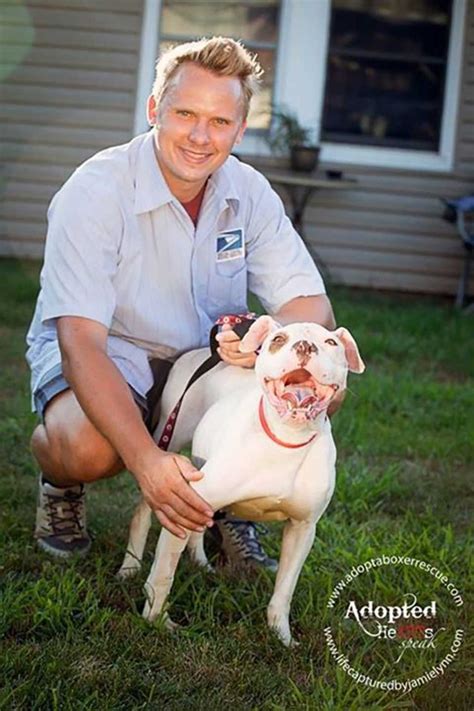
column 230, row 245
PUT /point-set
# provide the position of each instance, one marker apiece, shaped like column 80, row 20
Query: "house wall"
column 386, row 232
column 73, row 93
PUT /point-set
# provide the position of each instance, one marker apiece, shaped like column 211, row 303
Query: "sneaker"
column 240, row 544
column 61, row 520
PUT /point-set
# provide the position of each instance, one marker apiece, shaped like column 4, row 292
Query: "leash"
column 240, row 323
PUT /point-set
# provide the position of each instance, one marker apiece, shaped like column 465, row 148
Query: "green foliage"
column 70, row 633
column 286, row 132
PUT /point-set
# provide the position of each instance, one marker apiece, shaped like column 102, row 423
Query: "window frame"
column 299, row 49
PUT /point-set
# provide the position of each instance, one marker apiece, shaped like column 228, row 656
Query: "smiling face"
column 199, row 120
column 301, row 367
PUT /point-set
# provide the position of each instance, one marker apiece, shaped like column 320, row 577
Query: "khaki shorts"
column 54, row 382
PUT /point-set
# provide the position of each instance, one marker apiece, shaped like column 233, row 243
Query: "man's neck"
column 193, row 207
column 185, row 192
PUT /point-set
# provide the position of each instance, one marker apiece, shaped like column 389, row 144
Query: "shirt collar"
column 223, row 183
column 152, row 191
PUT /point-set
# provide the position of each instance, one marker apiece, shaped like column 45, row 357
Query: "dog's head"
column 301, row 366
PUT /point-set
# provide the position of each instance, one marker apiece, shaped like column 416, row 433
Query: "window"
column 255, row 22
column 386, row 73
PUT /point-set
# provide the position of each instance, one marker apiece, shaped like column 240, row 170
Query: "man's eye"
column 183, row 113
column 221, row 122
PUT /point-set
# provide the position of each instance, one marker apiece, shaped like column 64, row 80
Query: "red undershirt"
column 193, row 207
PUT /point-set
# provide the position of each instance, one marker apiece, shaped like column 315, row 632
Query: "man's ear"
column 354, row 361
column 151, row 110
column 257, row 333
column 240, row 134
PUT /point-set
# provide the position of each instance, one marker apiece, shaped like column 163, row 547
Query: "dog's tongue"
column 299, row 395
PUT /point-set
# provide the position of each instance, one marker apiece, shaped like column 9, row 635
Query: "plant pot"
column 304, row 158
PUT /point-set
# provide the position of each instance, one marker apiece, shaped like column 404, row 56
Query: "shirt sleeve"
column 81, row 256
column 280, row 267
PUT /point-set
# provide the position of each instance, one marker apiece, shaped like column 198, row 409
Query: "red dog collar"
column 268, row 431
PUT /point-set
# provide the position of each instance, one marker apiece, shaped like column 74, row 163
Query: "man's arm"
column 315, row 309
column 107, row 401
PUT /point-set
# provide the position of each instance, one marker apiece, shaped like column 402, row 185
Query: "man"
column 136, row 270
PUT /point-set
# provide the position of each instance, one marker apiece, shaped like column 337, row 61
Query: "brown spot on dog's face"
column 278, row 342
column 304, row 351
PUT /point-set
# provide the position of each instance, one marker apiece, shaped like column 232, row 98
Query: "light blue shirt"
column 122, row 250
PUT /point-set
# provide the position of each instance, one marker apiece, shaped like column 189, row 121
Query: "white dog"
column 264, row 443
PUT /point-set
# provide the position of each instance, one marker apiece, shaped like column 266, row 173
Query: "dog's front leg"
column 159, row 582
column 196, row 551
column 298, row 537
column 139, row 527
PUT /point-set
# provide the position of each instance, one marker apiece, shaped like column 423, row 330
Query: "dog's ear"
column 354, row 361
column 257, row 333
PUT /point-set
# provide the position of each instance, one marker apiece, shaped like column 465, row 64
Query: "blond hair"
column 221, row 55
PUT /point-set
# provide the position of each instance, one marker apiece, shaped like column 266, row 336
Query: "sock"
column 44, row 480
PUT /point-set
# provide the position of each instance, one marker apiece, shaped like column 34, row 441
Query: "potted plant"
column 287, row 136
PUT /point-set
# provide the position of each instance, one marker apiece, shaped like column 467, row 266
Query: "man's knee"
column 70, row 445
column 87, row 456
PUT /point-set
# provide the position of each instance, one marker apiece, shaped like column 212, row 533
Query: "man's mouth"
column 195, row 157
column 298, row 396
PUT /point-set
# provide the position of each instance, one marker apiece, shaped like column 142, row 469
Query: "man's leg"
column 68, row 448
column 70, row 452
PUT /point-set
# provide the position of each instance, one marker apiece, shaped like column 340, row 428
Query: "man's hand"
column 165, row 486
column 229, row 349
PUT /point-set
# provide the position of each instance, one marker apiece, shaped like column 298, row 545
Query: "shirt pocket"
column 227, row 288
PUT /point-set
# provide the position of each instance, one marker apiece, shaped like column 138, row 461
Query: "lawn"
column 70, row 633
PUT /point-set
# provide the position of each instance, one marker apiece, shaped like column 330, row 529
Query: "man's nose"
column 199, row 133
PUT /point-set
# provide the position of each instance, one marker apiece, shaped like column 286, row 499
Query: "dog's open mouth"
column 298, row 395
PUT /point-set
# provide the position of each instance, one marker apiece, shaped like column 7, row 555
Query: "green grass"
column 70, row 633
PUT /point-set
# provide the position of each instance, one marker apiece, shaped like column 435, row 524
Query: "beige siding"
column 387, row 231
column 67, row 93
column 465, row 143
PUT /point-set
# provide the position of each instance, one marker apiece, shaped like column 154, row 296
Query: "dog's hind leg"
column 197, row 552
column 298, row 537
column 138, row 534
column 159, row 582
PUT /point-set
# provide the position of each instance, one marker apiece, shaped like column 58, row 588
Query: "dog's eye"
column 331, row 341
column 278, row 342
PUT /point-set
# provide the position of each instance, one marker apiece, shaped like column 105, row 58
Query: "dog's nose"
column 304, row 350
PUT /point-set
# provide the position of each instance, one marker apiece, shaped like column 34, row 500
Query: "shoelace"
column 64, row 513
column 244, row 537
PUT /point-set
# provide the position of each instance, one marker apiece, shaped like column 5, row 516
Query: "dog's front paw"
column 151, row 615
column 284, row 635
column 131, row 565
column 280, row 625
column 128, row 571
